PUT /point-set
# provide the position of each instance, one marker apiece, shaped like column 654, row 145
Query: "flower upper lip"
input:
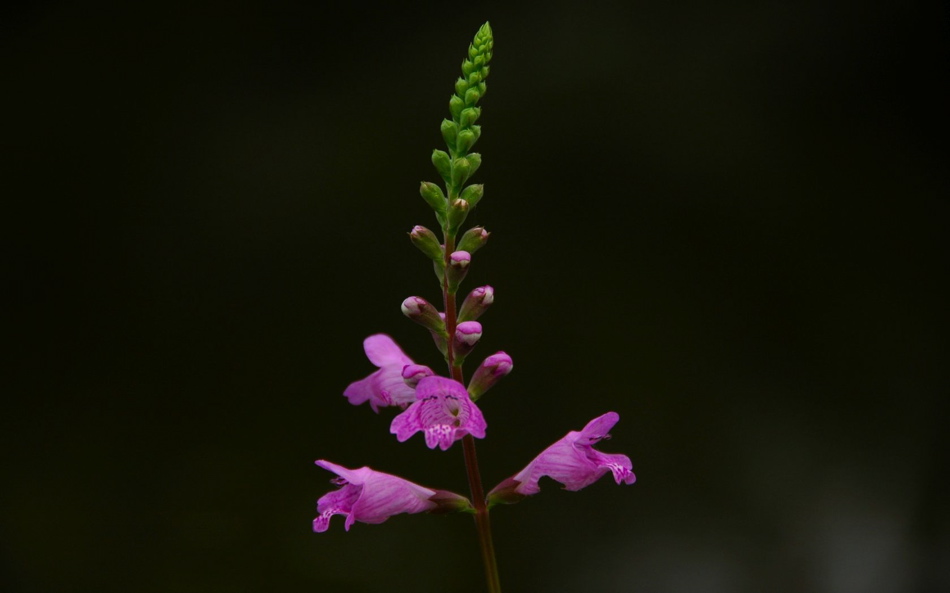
column 386, row 386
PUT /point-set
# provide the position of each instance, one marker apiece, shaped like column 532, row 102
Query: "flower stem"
column 482, row 523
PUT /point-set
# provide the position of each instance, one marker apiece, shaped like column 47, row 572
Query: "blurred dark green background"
column 725, row 221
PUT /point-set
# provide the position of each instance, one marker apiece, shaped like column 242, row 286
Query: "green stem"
column 482, row 523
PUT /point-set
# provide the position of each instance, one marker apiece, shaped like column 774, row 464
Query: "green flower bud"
column 433, row 195
column 443, row 164
column 449, row 132
column 472, row 194
column 461, row 171
column 456, row 215
column 466, row 140
column 473, row 239
column 461, row 85
column 427, row 243
column 467, row 67
column 469, row 116
column 472, row 96
column 456, row 105
column 474, row 159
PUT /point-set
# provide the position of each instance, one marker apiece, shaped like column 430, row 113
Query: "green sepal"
column 433, row 195
column 450, row 502
column 472, row 194
column 505, row 493
column 443, row 164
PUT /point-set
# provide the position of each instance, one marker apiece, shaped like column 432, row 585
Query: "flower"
column 572, row 461
column 384, row 387
column 369, row 496
column 443, row 411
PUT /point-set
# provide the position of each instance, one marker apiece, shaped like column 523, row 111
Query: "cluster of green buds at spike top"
column 457, row 165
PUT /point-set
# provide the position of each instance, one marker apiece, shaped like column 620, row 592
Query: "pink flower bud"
column 422, row 312
column 476, row 303
column 413, row 373
column 467, row 335
column 458, row 266
column 460, row 259
column 488, row 373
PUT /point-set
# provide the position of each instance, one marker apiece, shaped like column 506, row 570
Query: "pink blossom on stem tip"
column 386, row 386
column 444, row 413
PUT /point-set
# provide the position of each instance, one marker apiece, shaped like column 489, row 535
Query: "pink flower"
column 384, row 387
column 443, row 411
column 369, row 496
column 572, row 461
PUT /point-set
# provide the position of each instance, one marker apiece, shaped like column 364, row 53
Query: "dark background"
column 725, row 221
